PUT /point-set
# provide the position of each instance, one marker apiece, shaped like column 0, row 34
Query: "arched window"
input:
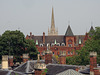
column 41, row 45
column 63, row 44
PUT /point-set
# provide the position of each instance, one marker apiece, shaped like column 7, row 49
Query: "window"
column 69, row 45
column 41, row 45
column 42, row 53
column 68, row 52
column 52, row 44
column 58, row 44
column 53, row 53
column 71, row 53
column 63, row 44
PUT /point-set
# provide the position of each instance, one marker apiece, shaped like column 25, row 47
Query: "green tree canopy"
column 14, row 43
column 31, row 49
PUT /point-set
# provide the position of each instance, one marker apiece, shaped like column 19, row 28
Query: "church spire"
column 52, row 20
column 52, row 30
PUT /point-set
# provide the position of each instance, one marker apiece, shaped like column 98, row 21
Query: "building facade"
column 69, row 43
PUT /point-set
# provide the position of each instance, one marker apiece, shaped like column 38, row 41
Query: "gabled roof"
column 69, row 31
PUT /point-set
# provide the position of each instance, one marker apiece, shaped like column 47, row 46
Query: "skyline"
column 30, row 16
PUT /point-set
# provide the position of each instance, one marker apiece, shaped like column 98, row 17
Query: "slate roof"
column 69, row 32
column 9, row 72
column 49, row 39
column 54, row 69
column 70, row 72
column 28, row 67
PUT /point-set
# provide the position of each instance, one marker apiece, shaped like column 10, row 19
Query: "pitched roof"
column 69, row 31
column 69, row 72
column 54, row 69
column 28, row 67
column 9, row 72
column 49, row 39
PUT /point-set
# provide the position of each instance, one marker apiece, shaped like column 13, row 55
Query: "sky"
column 35, row 15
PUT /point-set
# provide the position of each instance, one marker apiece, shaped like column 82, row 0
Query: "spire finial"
column 91, row 23
column 69, row 22
column 52, row 19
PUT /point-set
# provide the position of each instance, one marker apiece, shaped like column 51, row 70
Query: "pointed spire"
column 91, row 29
column 52, row 20
column 69, row 31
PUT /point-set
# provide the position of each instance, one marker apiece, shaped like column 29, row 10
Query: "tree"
column 31, row 49
column 14, row 43
column 92, row 44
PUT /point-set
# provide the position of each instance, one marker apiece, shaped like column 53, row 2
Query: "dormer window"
column 58, row 44
column 52, row 44
column 63, row 44
column 41, row 45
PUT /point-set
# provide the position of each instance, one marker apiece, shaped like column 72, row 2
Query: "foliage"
column 92, row 44
column 14, row 43
column 45, row 71
column 31, row 49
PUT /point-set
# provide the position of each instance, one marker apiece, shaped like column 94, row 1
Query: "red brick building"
column 68, row 42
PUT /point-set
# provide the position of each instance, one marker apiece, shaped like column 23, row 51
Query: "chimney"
column 62, row 57
column 25, row 57
column 30, row 34
column 10, row 61
column 39, row 67
column 43, row 37
column 48, row 55
column 93, row 62
column 4, row 61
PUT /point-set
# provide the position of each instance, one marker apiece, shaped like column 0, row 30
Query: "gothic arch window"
column 52, row 44
column 63, row 44
column 41, row 45
column 58, row 44
column 68, row 52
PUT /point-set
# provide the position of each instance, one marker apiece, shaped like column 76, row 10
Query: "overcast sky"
column 35, row 15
